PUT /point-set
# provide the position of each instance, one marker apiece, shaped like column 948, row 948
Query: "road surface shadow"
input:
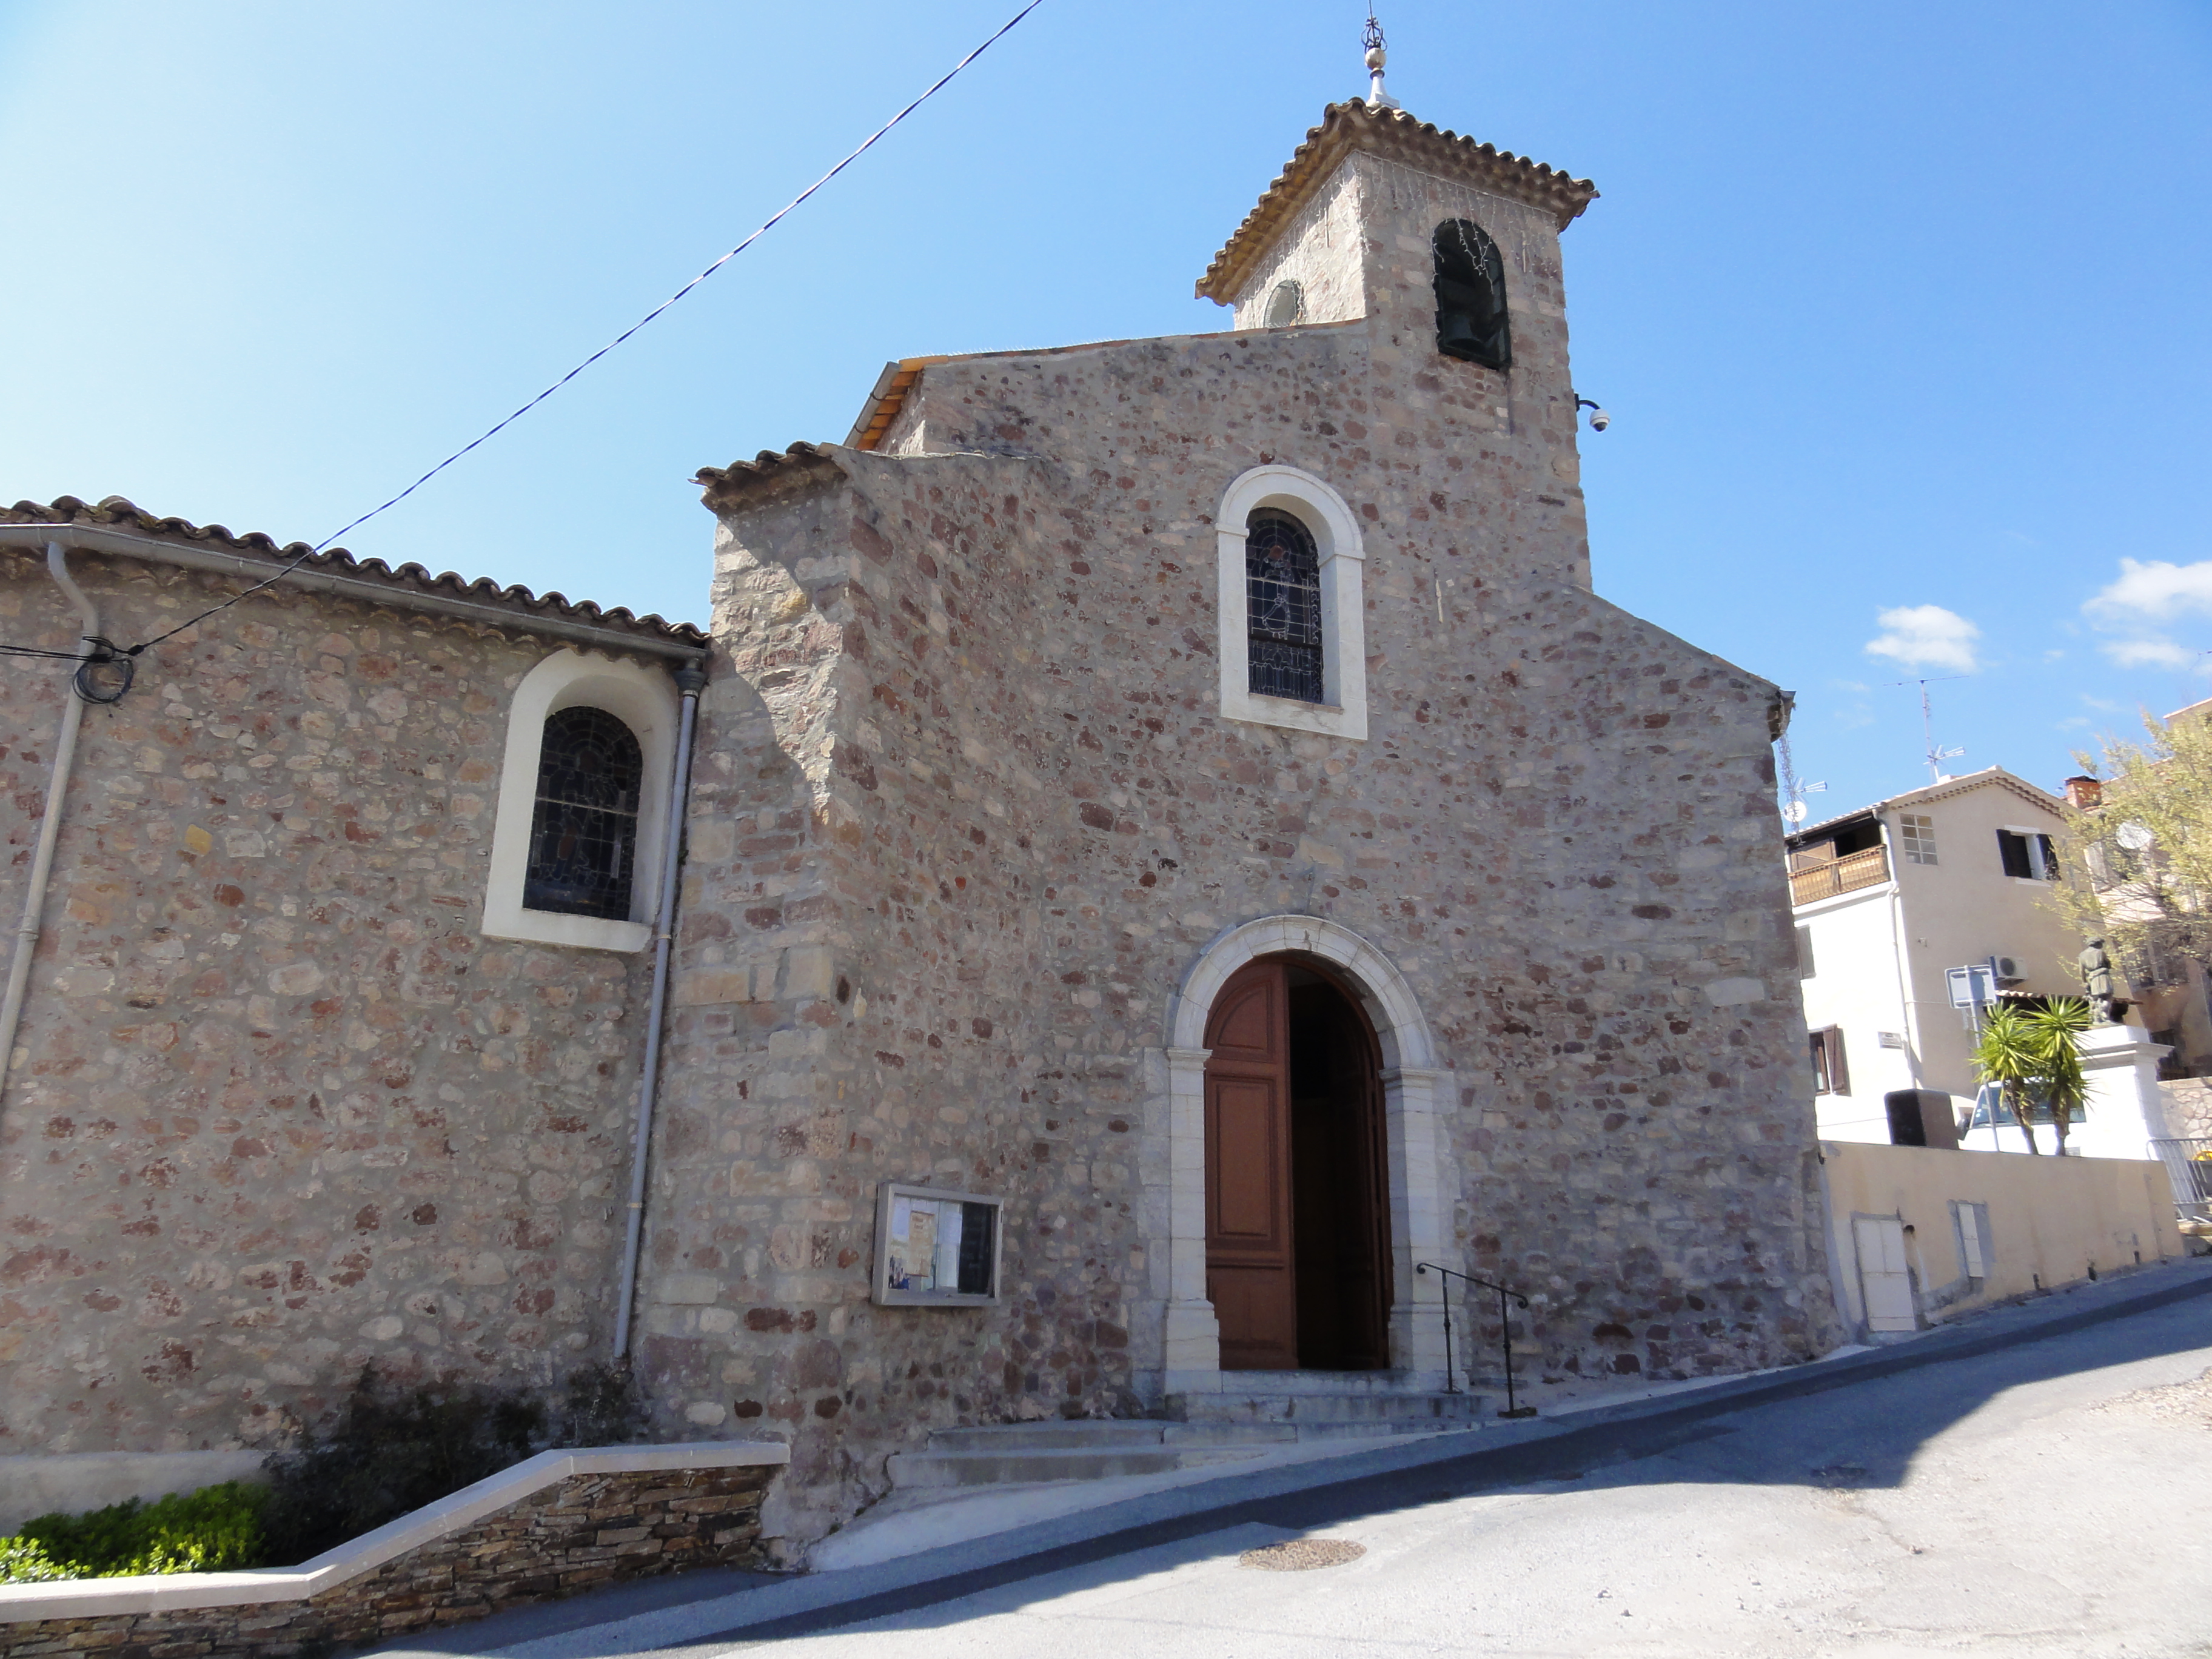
column 1839, row 1427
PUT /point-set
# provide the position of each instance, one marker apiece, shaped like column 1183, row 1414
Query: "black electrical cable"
column 493, row 431
column 36, row 651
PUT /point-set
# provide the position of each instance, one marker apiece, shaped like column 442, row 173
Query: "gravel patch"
column 2189, row 1403
column 1303, row 1554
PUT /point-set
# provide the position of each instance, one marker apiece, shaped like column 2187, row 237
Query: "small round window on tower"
column 1287, row 304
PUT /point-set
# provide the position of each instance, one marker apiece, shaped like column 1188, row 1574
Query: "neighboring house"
column 2169, row 986
column 1888, row 898
column 1180, row 797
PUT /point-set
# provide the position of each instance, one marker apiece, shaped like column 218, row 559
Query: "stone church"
column 1157, row 841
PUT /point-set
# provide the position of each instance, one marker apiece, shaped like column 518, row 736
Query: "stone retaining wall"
column 575, row 1534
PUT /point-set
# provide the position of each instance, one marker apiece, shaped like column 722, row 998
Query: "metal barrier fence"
column 2188, row 1161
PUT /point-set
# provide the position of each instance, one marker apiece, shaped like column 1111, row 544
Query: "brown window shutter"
column 1840, row 1074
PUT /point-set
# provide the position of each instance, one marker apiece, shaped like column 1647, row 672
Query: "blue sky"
column 1901, row 310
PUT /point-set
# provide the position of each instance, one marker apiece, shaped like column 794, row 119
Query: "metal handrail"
column 1505, row 1329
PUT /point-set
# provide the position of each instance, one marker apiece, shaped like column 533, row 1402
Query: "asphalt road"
column 2033, row 1492
column 2051, row 1498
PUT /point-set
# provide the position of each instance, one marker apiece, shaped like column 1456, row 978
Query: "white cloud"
column 2148, row 596
column 1926, row 636
column 2153, row 587
column 2154, row 653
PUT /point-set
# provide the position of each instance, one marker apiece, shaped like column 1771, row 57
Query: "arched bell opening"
column 1298, row 1190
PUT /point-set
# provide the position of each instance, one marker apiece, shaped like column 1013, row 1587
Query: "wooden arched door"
column 1251, row 1262
column 1297, row 1206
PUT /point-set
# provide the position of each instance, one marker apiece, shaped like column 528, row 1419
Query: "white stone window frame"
column 1336, row 536
column 643, row 699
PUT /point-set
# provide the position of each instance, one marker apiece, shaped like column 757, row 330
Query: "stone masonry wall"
column 1323, row 252
column 579, row 1534
column 279, row 1108
column 1015, row 816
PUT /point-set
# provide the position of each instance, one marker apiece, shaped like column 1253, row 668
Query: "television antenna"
column 1794, row 809
column 1934, row 757
column 1797, row 810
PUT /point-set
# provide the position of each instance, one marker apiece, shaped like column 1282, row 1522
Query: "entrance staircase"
column 1330, row 1403
column 1255, row 1414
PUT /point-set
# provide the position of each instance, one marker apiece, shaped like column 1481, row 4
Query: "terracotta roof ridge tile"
column 121, row 512
column 1356, row 125
column 765, row 468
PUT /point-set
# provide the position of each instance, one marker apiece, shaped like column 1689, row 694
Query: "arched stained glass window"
column 1470, row 320
column 583, row 835
column 1282, row 607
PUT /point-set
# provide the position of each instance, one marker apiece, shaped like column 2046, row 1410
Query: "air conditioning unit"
column 2007, row 971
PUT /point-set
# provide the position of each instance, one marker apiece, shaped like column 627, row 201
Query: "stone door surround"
column 1421, row 1192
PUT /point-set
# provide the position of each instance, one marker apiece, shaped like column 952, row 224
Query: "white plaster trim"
column 644, row 699
column 1343, row 603
column 101, row 1598
column 1417, row 1092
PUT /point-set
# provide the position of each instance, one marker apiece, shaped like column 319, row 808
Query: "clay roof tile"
column 119, row 513
column 1356, row 125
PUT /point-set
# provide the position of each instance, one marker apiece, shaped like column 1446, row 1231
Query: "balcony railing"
column 1844, row 875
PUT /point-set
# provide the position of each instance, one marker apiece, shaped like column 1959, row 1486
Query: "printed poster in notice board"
column 935, row 1248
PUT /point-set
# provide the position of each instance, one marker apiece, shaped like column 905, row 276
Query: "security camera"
column 1599, row 420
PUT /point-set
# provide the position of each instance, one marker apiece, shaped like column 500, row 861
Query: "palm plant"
column 2059, row 1025
column 2035, row 1055
column 2009, row 1053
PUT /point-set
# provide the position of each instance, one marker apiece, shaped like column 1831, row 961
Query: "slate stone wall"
column 579, row 1534
column 279, row 1106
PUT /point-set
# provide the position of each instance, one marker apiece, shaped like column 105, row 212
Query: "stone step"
column 1025, row 1465
column 1104, row 1433
column 1332, row 1382
column 1389, row 1413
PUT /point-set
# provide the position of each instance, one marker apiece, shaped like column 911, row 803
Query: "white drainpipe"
column 688, row 680
column 50, row 828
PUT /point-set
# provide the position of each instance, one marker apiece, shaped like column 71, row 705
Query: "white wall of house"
column 1856, row 987
column 1880, row 954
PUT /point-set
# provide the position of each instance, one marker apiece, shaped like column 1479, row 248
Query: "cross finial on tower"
column 1376, row 57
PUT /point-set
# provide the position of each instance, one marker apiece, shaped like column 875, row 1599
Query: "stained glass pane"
column 1282, row 599
column 583, row 836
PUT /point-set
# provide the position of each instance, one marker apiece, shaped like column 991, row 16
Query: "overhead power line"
column 493, row 431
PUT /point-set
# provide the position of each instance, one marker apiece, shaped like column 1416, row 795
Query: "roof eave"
column 745, row 483
column 1356, row 125
column 118, row 528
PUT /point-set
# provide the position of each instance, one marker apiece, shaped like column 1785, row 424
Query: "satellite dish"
column 1286, row 305
column 2135, row 837
column 1794, row 813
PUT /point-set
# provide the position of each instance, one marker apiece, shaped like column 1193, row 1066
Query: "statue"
column 2097, row 976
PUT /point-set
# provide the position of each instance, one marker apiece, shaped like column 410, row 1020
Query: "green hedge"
column 391, row 1447
column 215, row 1529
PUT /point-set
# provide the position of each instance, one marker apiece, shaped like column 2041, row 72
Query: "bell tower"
column 1448, row 250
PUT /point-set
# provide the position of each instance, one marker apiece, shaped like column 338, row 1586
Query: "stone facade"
column 278, row 1107
column 582, row 1534
column 967, row 815
column 968, row 836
